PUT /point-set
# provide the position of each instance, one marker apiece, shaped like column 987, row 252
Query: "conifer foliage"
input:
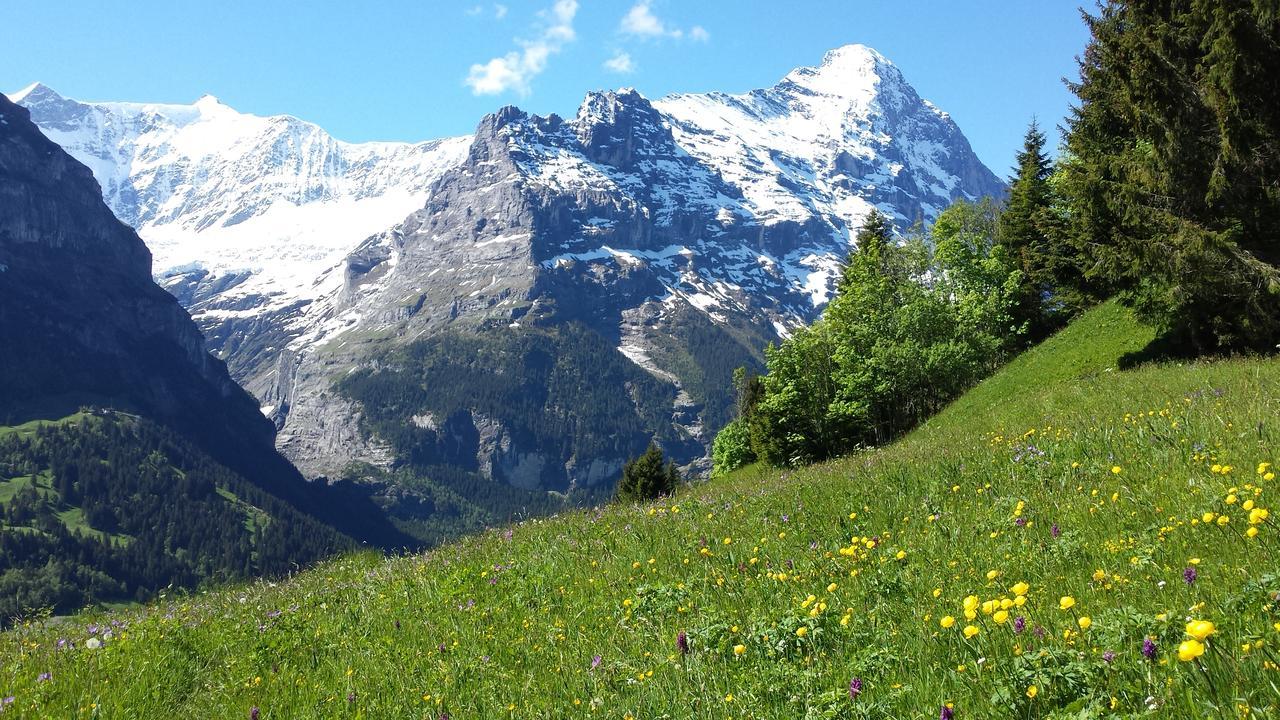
column 1172, row 172
column 648, row 476
column 1022, row 235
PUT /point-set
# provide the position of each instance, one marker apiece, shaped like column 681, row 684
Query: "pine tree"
column 648, row 476
column 1022, row 238
column 1172, row 176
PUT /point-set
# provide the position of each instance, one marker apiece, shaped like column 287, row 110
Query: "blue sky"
column 418, row 69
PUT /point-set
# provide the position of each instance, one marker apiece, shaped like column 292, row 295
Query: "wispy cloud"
column 516, row 69
column 640, row 21
column 620, row 63
column 499, row 10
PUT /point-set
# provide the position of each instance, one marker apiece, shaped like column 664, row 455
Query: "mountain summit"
column 643, row 248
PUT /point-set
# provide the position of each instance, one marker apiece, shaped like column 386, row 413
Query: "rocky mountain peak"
column 854, row 78
column 36, row 92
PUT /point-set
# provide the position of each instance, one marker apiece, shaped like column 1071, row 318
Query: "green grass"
column 1123, row 463
column 29, row 428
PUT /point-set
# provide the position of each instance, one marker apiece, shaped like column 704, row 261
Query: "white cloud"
column 499, row 11
column 641, row 22
column 516, row 69
column 620, row 63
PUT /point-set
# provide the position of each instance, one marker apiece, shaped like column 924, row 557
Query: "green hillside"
column 104, row 506
column 1061, row 481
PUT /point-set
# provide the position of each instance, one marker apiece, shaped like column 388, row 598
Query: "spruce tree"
column 648, row 476
column 1020, row 234
column 1172, row 170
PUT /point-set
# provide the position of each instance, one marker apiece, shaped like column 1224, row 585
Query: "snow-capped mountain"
column 686, row 233
column 245, row 209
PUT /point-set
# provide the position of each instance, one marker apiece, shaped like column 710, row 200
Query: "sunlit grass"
column 1063, row 472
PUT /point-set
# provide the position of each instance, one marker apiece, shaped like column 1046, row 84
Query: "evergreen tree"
column 1020, row 234
column 648, row 476
column 1172, row 172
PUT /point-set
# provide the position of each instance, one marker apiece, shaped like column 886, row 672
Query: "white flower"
column 93, row 643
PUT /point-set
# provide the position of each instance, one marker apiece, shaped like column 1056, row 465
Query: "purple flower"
column 351, row 697
column 1055, row 530
column 595, row 662
column 1189, row 575
column 947, row 713
column 855, row 688
column 397, row 624
column 253, row 713
column 44, row 677
column 1149, row 648
column 1040, row 632
column 1020, row 522
column 682, row 643
column 1019, row 624
column 1109, row 656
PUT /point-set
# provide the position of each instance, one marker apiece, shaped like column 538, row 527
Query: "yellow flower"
column 1223, row 520
column 1084, row 622
column 1207, row 517
column 802, row 631
column 1251, row 532
column 901, row 554
column 1190, row 650
column 971, row 602
column 993, row 574
column 1066, row 602
column 1200, row 629
column 1099, row 575
column 1257, row 516
column 970, row 631
column 1000, row 616
column 739, row 649
column 1020, row 589
column 832, row 587
column 937, row 592
column 1032, row 691
column 949, row 621
column 1115, row 469
column 1246, row 505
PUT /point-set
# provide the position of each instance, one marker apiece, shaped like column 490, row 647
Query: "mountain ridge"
column 718, row 217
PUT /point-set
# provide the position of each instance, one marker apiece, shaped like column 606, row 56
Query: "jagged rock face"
column 82, row 322
column 686, row 232
column 243, row 214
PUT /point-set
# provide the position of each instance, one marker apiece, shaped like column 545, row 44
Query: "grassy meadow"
column 1068, row 540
